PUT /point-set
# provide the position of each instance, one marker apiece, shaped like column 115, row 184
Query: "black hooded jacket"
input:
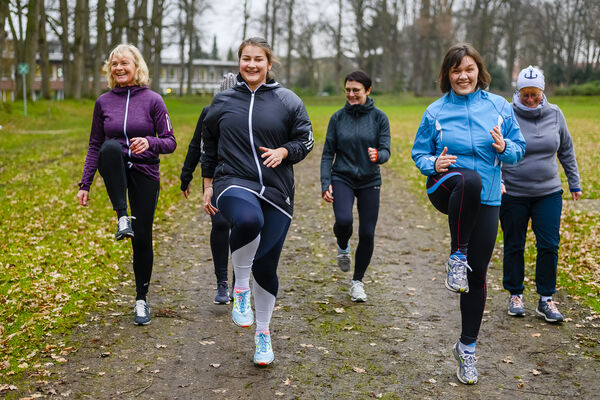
column 240, row 121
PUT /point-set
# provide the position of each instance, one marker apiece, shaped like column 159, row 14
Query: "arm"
column 207, row 197
column 513, row 138
column 384, row 141
column 192, row 157
column 301, row 136
column 424, row 149
column 210, row 140
column 96, row 141
column 329, row 149
column 164, row 141
column 566, row 156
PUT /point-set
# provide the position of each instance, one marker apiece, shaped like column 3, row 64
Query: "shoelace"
column 469, row 361
column 359, row 287
column 140, row 309
column 552, row 306
column 123, row 222
column 262, row 342
column 241, row 301
column 516, row 301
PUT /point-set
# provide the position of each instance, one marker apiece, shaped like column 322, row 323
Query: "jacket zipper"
column 125, row 125
column 251, row 135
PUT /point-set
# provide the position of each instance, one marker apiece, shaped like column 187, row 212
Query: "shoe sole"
column 450, row 288
column 541, row 314
column 221, row 302
column 263, row 363
column 244, row 325
column 344, row 265
column 141, row 323
column 512, row 314
column 123, row 236
column 358, row 299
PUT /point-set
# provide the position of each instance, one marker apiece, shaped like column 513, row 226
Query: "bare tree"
column 65, row 47
column 156, row 29
column 246, row 18
column 16, row 14
column 79, row 77
column 290, row 42
column 267, row 18
column 101, row 45
column 4, row 14
column 120, row 24
column 43, row 52
column 359, row 8
column 31, row 42
column 276, row 5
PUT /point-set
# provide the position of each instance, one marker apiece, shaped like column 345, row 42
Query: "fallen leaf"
column 536, row 334
column 372, row 344
column 358, row 370
column 339, row 310
column 5, row 387
column 287, row 381
column 101, row 373
column 156, row 371
column 507, row 360
column 160, row 346
column 284, row 337
column 453, row 384
column 205, row 342
column 535, row 372
column 215, row 365
column 279, row 394
column 347, row 328
column 520, row 385
column 431, row 380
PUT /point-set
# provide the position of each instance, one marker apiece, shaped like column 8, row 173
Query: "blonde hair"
column 142, row 76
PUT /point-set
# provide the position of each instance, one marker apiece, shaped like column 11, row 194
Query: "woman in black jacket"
column 252, row 135
column 358, row 138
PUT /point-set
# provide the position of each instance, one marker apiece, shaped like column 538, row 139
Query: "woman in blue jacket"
column 463, row 138
column 358, row 137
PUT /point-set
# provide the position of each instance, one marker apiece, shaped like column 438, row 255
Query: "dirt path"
column 397, row 345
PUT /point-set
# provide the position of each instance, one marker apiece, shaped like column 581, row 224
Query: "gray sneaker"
column 222, row 296
column 516, row 307
column 344, row 260
column 357, row 291
column 124, row 228
column 467, row 370
column 549, row 311
column 141, row 313
column 456, row 274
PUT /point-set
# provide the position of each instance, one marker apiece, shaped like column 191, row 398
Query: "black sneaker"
column 222, row 296
column 141, row 313
column 124, row 228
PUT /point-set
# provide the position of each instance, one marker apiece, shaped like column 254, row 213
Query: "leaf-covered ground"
column 395, row 346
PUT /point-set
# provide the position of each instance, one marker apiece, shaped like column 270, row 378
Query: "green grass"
column 59, row 261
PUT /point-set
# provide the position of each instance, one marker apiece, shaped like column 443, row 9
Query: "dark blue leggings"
column 367, row 205
column 250, row 216
column 457, row 193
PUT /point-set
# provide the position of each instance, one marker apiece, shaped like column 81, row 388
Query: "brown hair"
column 453, row 59
column 263, row 44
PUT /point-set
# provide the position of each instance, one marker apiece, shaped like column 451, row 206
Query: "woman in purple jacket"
column 130, row 128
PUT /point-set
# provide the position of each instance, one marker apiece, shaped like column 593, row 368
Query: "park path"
column 397, row 345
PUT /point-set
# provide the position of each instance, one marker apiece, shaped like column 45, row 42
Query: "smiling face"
column 463, row 78
column 123, row 69
column 254, row 66
column 531, row 97
column 356, row 93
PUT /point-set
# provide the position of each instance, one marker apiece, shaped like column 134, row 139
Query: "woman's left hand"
column 273, row 157
column 576, row 195
column 139, row 145
column 499, row 143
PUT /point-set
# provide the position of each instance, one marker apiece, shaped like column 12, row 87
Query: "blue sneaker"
column 466, row 371
column 264, row 351
column 456, row 274
column 516, row 307
column 344, row 260
column 141, row 313
column 241, row 313
column 549, row 311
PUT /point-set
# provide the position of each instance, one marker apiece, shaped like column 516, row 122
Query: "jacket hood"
column 270, row 84
column 356, row 109
column 124, row 89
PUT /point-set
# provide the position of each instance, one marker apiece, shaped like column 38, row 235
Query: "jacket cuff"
column 575, row 190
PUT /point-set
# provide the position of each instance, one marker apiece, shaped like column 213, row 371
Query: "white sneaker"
column 357, row 291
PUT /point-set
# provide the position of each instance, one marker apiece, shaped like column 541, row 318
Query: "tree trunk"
column 100, row 51
column 66, row 48
column 267, row 17
column 246, row 17
column 338, row 47
column 290, row 43
column 43, row 50
column 78, row 78
column 156, row 26
column 18, row 46
column 31, row 42
column 190, row 31
column 120, row 23
column 274, row 9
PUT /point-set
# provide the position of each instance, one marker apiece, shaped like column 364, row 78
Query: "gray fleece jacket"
column 547, row 136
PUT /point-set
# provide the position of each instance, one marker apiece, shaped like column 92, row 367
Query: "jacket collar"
column 119, row 90
column 526, row 112
column 455, row 98
column 360, row 108
column 242, row 84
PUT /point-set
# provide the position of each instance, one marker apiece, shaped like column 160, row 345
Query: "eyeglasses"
column 351, row 90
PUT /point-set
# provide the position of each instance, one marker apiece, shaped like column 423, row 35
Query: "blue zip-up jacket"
column 240, row 121
column 462, row 123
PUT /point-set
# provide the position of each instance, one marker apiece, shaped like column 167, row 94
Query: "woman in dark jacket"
column 358, row 138
column 130, row 128
column 252, row 136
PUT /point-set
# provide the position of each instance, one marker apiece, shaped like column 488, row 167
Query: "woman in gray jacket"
column 358, row 138
column 533, row 191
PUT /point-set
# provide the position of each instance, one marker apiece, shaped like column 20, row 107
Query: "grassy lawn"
column 59, row 261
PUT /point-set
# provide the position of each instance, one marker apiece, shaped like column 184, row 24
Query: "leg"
column 112, row 168
column 219, row 245
column 368, row 210
column 545, row 222
column 143, row 196
column 481, row 247
column 458, row 194
column 343, row 201
column 514, row 217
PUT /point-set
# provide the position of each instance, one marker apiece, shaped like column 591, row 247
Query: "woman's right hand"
column 444, row 161
column 328, row 195
column 186, row 192
column 83, row 197
column 208, row 207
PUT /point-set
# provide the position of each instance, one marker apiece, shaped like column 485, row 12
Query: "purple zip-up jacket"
column 124, row 113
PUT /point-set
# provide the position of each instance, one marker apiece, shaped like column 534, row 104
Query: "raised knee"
column 110, row 147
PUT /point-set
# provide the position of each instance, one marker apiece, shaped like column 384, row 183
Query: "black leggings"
column 122, row 182
column 367, row 205
column 458, row 195
column 219, row 245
